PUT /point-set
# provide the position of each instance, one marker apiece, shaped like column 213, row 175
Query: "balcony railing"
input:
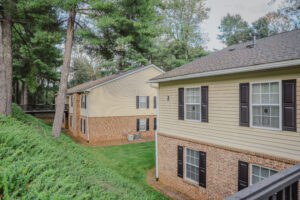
column 41, row 108
column 281, row 186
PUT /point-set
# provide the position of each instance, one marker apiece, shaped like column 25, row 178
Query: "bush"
column 34, row 165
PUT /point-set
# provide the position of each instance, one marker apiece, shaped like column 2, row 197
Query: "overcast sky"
column 250, row 10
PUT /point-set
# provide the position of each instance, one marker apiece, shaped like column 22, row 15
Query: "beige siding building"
column 112, row 107
column 230, row 119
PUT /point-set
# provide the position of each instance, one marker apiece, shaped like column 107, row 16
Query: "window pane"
column 264, row 172
column 255, row 170
column 256, row 99
column 266, row 121
column 256, row 88
column 275, row 87
column 257, row 110
column 265, row 99
column 257, row 121
column 265, row 88
column 272, row 172
column 275, row 122
column 274, row 98
column 266, row 110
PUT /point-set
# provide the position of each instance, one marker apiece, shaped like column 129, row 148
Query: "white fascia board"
column 143, row 68
column 275, row 65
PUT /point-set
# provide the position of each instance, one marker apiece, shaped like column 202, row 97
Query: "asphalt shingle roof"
column 276, row 48
column 90, row 84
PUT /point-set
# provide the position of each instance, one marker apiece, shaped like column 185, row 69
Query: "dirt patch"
column 163, row 188
column 106, row 143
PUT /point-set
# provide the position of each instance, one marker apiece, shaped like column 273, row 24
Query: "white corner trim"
column 125, row 75
column 274, row 65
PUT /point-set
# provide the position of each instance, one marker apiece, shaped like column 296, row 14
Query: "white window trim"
column 280, row 105
column 140, row 102
column 251, row 166
column 185, row 110
column 145, row 124
column 184, row 164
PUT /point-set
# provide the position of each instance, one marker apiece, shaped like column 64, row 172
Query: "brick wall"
column 221, row 171
column 117, row 128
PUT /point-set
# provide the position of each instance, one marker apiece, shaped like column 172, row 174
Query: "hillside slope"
column 34, row 165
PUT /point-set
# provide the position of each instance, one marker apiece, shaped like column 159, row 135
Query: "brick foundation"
column 117, row 128
column 221, row 171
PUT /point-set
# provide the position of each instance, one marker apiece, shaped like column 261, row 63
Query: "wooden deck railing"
column 41, row 108
column 281, row 186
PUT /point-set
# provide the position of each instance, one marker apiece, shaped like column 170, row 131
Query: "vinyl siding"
column 118, row 98
column 223, row 114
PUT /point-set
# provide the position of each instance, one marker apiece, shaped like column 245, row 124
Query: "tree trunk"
column 2, row 74
column 7, row 54
column 24, row 93
column 60, row 104
column 16, row 91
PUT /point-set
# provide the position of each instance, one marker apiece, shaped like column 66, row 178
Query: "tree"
column 3, row 95
column 262, row 27
column 123, row 31
column 183, row 38
column 234, row 30
column 6, row 83
column 60, row 103
column 82, row 71
column 36, row 57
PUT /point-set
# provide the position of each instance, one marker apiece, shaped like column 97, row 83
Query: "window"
column 259, row 173
column 143, row 123
column 265, row 99
column 82, row 125
column 143, row 102
column 83, row 101
column 154, row 102
column 193, row 103
column 71, row 121
column 71, row 99
column 192, row 165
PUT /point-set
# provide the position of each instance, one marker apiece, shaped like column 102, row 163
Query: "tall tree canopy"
column 122, row 31
column 234, row 30
column 183, row 38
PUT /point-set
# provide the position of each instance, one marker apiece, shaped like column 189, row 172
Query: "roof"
column 277, row 48
column 106, row 79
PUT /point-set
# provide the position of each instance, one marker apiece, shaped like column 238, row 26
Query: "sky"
column 250, row 10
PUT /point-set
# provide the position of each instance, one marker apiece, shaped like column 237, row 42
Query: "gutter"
column 87, row 116
column 275, row 65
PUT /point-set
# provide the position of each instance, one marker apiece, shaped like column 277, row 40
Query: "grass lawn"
column 129, row 160
column 34, row 165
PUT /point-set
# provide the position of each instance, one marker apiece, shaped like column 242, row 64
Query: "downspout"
column 156, row 139
column 87, row 117
column 157, row 128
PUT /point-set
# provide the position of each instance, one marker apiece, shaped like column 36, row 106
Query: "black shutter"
column 81, row 125
column 244, row 104
column 147, row 124
column 180, row 162
column 80, row 101
column 137, row 124
column 181, row 103
column 202, row 169
column 154, row 102
column 289, row 105
column 84, row 101
column 147, row 101
column 243, row 175
column 155, row 124
column 204, row 103
column 84, row 125
column 137, row 102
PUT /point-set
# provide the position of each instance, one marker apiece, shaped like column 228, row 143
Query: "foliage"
column 122, row 31
column 82, row 71
column 234, row 30
column 183, row 37
column 36, row 166
column 36, row 57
